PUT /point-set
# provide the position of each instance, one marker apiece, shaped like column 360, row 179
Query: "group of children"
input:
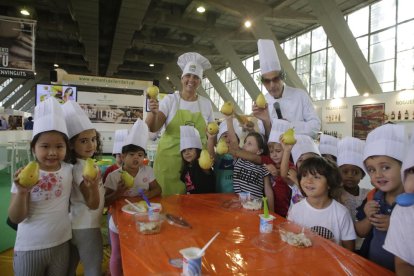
column 314, row 187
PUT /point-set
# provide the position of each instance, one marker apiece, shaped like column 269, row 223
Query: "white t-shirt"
column 333, row 223
column 48, row 223
column 297, row 108
column 81, row 216
column 142, row 180
column 399, row 240
column 169, row 107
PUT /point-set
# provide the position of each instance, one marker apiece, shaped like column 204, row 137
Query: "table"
column 240, row 248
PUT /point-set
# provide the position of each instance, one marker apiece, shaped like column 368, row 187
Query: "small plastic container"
column 253, row 204
column 146, row 226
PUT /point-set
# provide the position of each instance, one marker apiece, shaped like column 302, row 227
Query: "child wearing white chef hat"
column 43, row 220
column 196, row 179
column 328, row 147
column 399, row 240
column 119, row 138
column 87, row 198
column 144, row 182
column 384, row 151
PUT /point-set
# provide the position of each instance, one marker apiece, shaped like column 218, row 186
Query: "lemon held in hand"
column 127, row 178
column 205, row 160
column 212, row 128
column 89, row 169
column 289, row 137
column 153, row 91
column 29, row 176
column 261, row 101
column 227, row 108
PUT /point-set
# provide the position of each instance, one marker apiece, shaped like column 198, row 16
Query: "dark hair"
column 30, row 118
column 185, row 164
column 260, row 142
column 96, row 155
column 323, row 167
column 132, row 148
column 65, row 138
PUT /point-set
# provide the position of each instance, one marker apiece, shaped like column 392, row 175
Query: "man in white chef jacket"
column 283, row 102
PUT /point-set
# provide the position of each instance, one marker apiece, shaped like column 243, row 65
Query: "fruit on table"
column 153, row 91
column 127, row 178
column 29, row 176
column 205, row 160
column 227, row 108
column 212, row 128
column 89, row 169
column 222, row 147
column 289, row 137
column 261, row 101
column 142, row 204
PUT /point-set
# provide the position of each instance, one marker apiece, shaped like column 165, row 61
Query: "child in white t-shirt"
column 41, row 211
column 318, row 180
column 399, row 240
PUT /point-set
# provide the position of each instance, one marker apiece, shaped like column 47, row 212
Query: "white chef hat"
column 189, row 138
column 304, row 144
column 119, row 138
column 408, row 161
column 138, row 135
column 76, row 119
column 269, row 61
column 328, row 145
column 223, row 128
column 49, row 116
column 193, row 63
column 388, row 139
column 350, row 152
column 278, row 128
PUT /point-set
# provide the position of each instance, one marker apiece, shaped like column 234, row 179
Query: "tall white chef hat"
column 189, row 138
column 76, row 119
column 193, row 63
column 350, row 152
column 223, row 128
column 304, row 144
column 388, row 139
column 278, row 128
column 49, row 116
column 328, row 145
column 119, row 138
column 269, row 60
column 408, row 161
column 138, row 135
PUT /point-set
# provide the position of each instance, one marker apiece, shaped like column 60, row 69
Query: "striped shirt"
column 249, row 177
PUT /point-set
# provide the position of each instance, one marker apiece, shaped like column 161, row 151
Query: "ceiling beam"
column 10, row 88
column 24, row 100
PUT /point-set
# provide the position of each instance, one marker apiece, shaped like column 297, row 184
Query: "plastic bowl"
column 253, row 204
column 145, row 226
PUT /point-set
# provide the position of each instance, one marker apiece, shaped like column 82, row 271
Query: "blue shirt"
column 224, row 173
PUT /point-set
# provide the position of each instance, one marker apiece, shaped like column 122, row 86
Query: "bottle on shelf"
column 399, row 115
column 393, row 116
column 406, row 115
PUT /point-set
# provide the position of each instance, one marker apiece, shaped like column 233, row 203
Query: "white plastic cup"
column 154, row 213
column 266, row 224
column 191, row 261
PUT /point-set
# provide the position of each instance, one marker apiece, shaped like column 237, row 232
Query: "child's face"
column 133, row 159
column 314, row 186
column 85, row 144
column 303, row 157
column 189, row 155
column 250, row 144
column 385, row 172
column 225, row 137
column 351, row 175
column 276, row 152
column 409, row 180
column 50, row 150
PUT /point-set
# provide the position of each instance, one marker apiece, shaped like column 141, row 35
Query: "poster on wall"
column 62, row 93
column 365, row 118
column 17, row 44
column 112, row 114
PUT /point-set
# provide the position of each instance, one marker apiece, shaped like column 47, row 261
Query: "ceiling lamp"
column 24, row 12
column 167, row 78
column 151, row 65
column 366, row 94
column 247, row 23
column 56, row 65
column 201, row 9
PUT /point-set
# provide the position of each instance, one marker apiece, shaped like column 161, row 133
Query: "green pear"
column 127, row 178
column 261, row 101
column 212, row 128
column 222, row 147
column 153, row 91
column 227, row 108
column 29, row 176
column 89, row 169
column 289, row 137
column 205, row 160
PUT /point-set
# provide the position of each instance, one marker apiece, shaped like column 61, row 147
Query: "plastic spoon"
column 207, row 245
column 141, row 193
column 133, row 205
column 265, row 208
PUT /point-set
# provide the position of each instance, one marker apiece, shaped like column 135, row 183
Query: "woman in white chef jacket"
column 175, row 110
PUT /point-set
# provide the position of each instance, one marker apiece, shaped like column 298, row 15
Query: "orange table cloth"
column 240, row 248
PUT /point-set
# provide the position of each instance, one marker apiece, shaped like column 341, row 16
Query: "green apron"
column 168, row 161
